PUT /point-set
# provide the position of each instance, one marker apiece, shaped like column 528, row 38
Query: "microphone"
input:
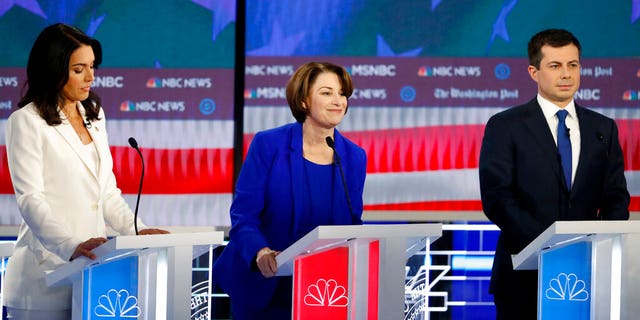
column 134, row 144
column 88, row 125
column 332, row 145
column 568, row 130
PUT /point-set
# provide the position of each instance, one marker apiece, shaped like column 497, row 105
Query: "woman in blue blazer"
column 289, row 184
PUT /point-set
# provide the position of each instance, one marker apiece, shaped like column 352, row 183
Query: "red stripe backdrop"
column 197, row 171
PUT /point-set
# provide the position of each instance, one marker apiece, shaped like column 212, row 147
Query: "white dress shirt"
column 549, row 109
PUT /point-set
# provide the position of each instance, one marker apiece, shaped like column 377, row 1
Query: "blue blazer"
column 522, row 186
column 265, row 210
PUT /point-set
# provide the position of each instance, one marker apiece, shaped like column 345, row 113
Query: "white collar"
column 550, row 109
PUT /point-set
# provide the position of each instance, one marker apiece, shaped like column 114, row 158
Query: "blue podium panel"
column 564, row 286
column 111, row 290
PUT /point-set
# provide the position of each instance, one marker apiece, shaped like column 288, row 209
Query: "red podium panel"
column 374, row 274
column 353, row 272
column 321, row 284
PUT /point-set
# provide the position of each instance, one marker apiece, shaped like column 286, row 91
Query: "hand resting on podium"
column 266, row 261
column 152, row 231
column 85, row 248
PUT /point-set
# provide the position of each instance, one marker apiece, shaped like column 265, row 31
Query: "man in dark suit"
column 547, row 160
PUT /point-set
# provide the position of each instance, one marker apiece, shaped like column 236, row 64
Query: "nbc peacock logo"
column 250, row 94
column 117, row 304
column 154, row 83
column 567, row 287
column 326, row 293
column 425, row 71
column 127, row 106
column 630, row 95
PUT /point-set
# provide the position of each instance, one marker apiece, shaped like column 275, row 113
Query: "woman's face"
column 326, row 102
column 80, row 75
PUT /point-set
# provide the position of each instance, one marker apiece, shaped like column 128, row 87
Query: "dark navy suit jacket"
column 522, row 186
column 267, row 206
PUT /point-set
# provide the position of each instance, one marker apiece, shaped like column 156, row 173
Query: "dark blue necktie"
column 564, row 147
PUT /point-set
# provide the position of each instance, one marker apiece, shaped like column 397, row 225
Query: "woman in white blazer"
column 61, row 169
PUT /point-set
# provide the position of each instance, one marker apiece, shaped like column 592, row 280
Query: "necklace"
column 66, row 114
column 86, row 123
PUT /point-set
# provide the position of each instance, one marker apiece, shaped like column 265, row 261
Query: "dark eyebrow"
column 331, row 88
column 558, row 62
column 80, row 64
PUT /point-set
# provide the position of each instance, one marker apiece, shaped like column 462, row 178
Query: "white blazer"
column 62, row 202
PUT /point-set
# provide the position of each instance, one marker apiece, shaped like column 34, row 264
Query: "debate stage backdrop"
column 167, row 79
column 428, row 75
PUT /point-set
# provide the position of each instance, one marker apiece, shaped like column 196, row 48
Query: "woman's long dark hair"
column 48, row 71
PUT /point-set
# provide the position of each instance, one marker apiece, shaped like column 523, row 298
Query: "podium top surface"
column 561, row 232
column 329, row 236
column 6, row 248
column 123, row 244
column 377, row 231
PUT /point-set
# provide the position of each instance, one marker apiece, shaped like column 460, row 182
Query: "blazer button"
column 94, row 206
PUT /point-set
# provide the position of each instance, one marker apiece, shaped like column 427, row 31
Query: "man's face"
column 558, row 77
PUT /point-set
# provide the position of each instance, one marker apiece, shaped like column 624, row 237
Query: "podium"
column 141, row 277
column 6, row 250
column 586, row 269
column 353, row 271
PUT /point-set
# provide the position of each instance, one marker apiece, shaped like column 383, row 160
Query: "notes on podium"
column 353, row 271
column 586, row 269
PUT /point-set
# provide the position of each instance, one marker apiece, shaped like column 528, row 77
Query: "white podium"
column 587, row 269
column 373, row 267
column 156, row 267
column 6, row 250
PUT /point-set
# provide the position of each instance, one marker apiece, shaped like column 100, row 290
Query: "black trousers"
column 519, row 301
column 279, row 308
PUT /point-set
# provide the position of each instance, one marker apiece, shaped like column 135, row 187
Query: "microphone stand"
column 332, row 145
column 134, row 144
